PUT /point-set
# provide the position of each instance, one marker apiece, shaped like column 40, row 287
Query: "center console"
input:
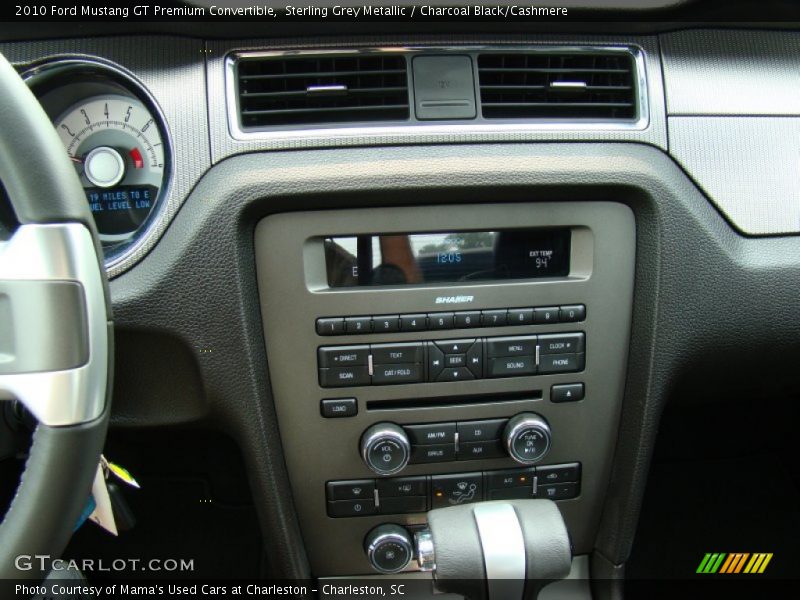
column 442, row 355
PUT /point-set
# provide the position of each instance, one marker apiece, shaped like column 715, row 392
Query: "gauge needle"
column 76, row 159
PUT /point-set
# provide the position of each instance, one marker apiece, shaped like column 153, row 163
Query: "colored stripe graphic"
column 737, row 562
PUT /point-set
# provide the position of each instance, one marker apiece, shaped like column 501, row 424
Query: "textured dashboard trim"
column 172, row 70
column 748, row 166
column 723, row 72
column 224, row 144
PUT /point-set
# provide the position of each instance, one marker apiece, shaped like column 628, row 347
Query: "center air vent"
column 544, row 85
column 299, row 90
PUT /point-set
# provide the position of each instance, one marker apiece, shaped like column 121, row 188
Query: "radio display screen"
column 447, row 257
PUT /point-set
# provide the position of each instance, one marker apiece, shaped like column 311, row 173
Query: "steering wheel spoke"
column 53, row 331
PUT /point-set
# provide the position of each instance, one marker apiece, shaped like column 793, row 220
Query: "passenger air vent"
column 299, row 90
column 558, row 85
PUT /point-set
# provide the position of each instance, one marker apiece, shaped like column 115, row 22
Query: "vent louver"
column 544, row 85
column 299, row 90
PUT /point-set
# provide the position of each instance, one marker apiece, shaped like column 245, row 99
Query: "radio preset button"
column 387, row 354
column 511, row 346
column 330, row 326
column 545, row 316
column 512, row 366
column 358, row 324
column 344, row 376
column 386, row 323
column 434, row 433
column 444, row 320
column 572, row 313
column 520, row 316
column 494, row 318
column 343, row 356
column 468, row 319
column 417, row 322
column 390, row 374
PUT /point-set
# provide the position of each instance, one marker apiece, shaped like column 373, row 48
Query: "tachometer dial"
column 116, row 146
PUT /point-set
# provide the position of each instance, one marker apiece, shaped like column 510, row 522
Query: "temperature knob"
column 389, row 548
column 527, row 438
column 385, row 448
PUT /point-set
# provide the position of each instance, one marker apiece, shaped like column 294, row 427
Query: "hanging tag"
column 103, row 514
column 119, row 472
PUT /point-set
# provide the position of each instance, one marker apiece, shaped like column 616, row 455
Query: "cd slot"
column 446, row 401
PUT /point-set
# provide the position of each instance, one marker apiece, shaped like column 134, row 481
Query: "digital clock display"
column 420, row 258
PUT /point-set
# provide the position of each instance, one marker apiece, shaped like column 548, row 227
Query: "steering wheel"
column 55, row 331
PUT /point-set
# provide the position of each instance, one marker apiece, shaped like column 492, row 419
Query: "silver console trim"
column 413, row 129
column 503, row 548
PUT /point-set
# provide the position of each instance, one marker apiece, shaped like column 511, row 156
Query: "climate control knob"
column 389, row 548
column 385, row 448
column 527, row 438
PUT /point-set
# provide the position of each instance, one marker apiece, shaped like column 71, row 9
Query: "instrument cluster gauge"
column 118, row 153
column 117, row 138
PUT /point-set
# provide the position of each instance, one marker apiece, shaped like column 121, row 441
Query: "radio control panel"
column 425, row 356
column 451, row 360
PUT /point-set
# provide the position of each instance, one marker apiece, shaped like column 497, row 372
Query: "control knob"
column 389, row 548
column 385, row 448
column 527, row 438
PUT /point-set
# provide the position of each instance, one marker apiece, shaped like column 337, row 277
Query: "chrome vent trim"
column 410, row 127
column 557, row 85
column 306, row 89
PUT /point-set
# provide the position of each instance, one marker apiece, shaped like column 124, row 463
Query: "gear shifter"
column 502, row 550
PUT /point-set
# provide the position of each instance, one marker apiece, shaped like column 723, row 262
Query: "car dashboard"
column 406, row 272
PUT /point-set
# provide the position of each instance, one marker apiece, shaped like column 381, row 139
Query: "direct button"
column 342, row 356
column 511, row 346
column 389, row 374
column 435, row 433
column 357, row 489
column 387, row 354
column 343, row 376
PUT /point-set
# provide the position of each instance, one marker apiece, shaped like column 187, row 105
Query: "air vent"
column 301, row 90
column 543, row 85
